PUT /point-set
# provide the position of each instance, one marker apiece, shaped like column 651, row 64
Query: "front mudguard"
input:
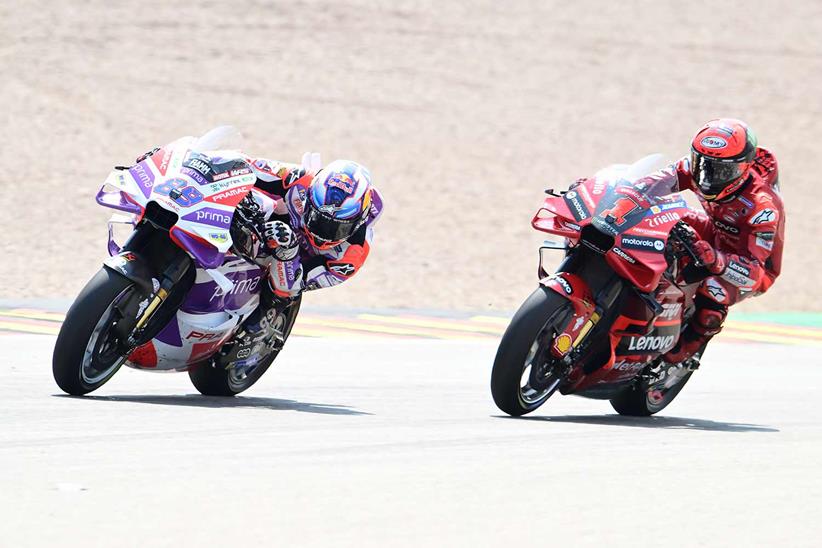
column 132, row 266
column 576, row 290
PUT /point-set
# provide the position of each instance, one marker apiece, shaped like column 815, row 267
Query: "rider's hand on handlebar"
column 703, row 253
column 709, row 257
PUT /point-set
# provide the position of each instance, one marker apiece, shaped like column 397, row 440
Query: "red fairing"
column 748, row 228
column 573, row 288
column 144, row 356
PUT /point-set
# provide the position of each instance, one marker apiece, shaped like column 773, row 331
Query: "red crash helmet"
column 721, row 153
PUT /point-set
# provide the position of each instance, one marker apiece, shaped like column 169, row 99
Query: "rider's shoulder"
column 765, row 166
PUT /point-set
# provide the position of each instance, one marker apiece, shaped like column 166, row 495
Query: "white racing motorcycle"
column 174, row 296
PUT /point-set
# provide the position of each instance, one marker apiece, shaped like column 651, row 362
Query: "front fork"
column 586, row 281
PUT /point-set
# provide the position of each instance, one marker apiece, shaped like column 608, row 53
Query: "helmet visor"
column 713, row 175
column 325, row 227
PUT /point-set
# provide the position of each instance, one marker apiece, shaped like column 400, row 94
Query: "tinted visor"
column 325, row 227
column 712, row 175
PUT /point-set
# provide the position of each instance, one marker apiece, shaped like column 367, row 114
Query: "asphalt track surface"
column 397, row 443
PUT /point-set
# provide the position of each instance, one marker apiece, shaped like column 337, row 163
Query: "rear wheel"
column 647, row 398
column 210, row 379
column 91, row 345
column 525, row 373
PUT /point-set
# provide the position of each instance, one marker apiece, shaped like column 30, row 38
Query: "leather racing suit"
column 747, row 228
column 296, row 265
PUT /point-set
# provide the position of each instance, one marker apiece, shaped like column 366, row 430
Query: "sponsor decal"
column 210, row 216
column 343, row 269
column 737, row 279
column 201, row 166
column 645, row 244
column 713, row 142
column 161, row 158
column 576, row 205
column 672, row 205
column 746, row 201
column 229, row 197
column 605, row 226
column 739, row 268
column 765, row 240
column 660, row 219
column 657, row 233
column 671, row 311
column 568, row 224
column 219, row 237
column 217, row 187
column 726, row 227
column 599, row 187
column 625, row 365
column 763, row 216
column 203, row 336
column 196, row 176
column 651, row 342
column 243, row 353
column 563, row 344
column 343, row 182
column 142, row 175
column 715, row 290
column 243, row 286
column 617, row 251
column 564, row 284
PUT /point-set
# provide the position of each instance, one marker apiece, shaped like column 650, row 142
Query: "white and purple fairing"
column 226, row 288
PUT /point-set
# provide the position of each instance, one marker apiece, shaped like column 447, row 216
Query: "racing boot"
column 705, row 323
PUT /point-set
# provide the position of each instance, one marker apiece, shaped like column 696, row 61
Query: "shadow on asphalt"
column 653, row 422
column 194, row 400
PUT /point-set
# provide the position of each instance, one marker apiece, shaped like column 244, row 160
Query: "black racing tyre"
column 640, row 401
column 217, row 381
column 523, row 355
column 88, row 349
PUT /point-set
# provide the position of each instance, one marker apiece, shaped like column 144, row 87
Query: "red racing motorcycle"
column 599, row 325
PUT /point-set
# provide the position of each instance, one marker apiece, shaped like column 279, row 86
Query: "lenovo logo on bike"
column 564, row 284
column 578, row 209
column 658, row 343
column 646, row 244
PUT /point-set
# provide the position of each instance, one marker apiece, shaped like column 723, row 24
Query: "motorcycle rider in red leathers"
column 740, row 236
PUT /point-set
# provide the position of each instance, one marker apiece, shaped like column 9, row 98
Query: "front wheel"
column 525, row 373
column 210, row 379
column 91, row 345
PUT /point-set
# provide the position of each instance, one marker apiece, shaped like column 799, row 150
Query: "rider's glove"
column 709, row 257
column 280, row 240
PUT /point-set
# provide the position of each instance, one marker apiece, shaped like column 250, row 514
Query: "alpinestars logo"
column 645, row 244
column 577, row 207
column 343, row 269
column 764, row 216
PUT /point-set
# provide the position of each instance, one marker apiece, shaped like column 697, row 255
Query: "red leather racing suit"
column 748, row 227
